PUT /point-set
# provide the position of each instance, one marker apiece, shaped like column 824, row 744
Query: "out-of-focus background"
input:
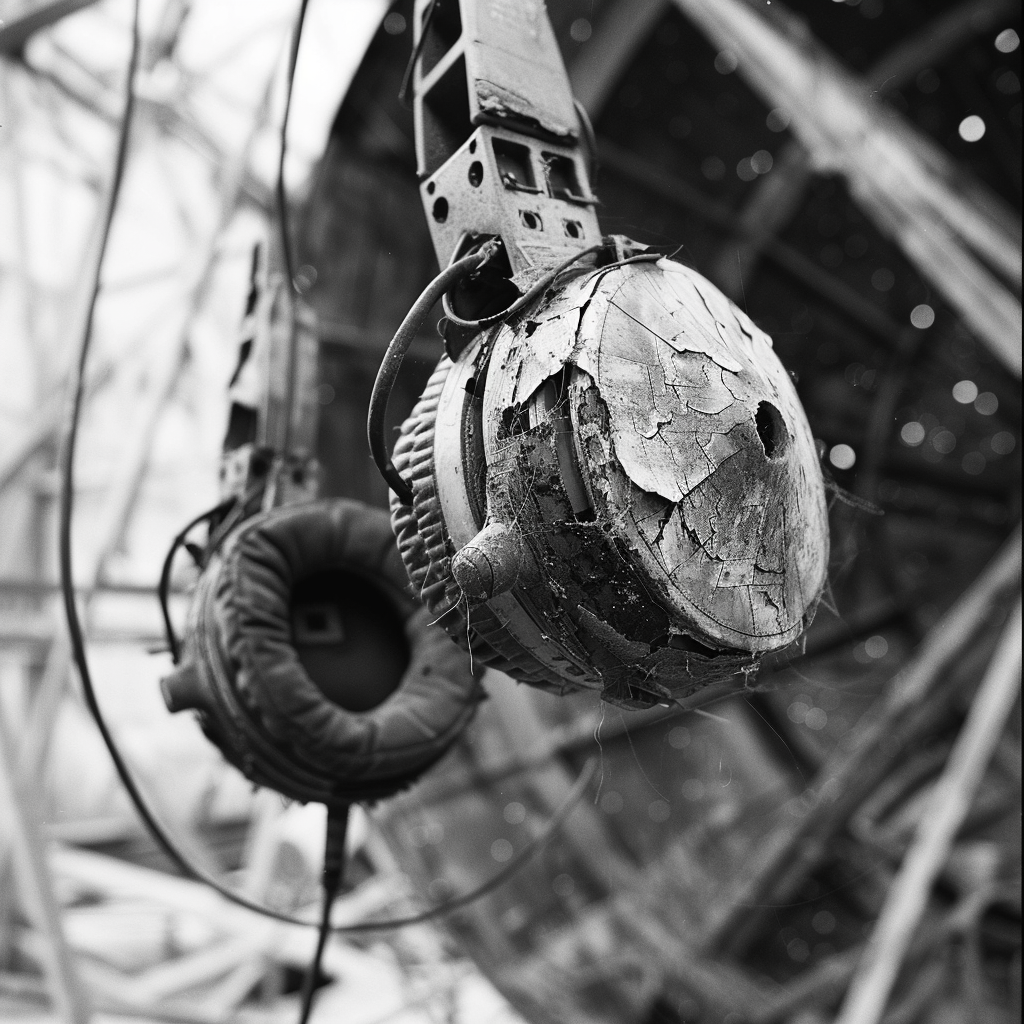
column 197, row 195
column 888, row 297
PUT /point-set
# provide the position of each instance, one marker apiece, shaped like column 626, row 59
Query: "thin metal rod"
column 31, row 870
column 948, row 806
column 286, row 241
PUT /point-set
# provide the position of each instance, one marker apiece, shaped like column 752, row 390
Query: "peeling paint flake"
column 687, row 370
column 664, row 399
column 553, row 337
column 652, row 427
column 549, row 347
column 738, row 573
column 501, row 102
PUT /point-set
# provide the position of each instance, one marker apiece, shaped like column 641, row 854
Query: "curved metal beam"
column 905, row 183
column 15, row 34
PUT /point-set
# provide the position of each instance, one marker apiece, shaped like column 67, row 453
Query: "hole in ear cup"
column 771, row 430
column 349, row 637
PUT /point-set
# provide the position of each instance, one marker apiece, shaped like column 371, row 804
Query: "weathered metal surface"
column 515, row 68
column 497, row 135
column 279, row 328
column 693, row 446
column 481, row 191
column 624, row 486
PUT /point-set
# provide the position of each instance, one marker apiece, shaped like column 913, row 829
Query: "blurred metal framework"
column 41, row 635
column 642, row 917
column 838, row 801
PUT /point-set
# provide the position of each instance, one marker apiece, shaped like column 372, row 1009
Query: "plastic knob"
column 490, row 563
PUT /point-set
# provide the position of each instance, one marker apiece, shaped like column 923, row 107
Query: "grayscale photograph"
column 510, row 512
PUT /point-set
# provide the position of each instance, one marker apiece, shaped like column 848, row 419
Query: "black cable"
column 525, row 299
column 535, row 290
column 70, row 431
column 235, row 509
column 403, row 90
column 438, row 289
column 165, row 575
column 334, row 866
column 239, row 509
column 286, row 245
column 392, row 361
column 66, row 502
column 313, row 971
column 66, row 513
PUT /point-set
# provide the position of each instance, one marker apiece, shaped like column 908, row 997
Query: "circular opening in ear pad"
column 309, row 666
column 349, row 637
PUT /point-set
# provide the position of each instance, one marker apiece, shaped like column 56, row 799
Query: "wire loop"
column 392, row 361
column 530, row 295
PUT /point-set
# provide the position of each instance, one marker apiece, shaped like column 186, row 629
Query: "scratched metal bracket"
column 497, row 140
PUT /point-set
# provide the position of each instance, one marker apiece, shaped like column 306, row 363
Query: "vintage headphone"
column 305, row 657
column 309, row 665
column 610, row 483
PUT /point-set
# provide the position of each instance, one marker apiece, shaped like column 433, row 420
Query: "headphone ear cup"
column 426, row 550
column 311, row 667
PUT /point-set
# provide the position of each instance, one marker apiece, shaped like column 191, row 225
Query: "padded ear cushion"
column 258, row 703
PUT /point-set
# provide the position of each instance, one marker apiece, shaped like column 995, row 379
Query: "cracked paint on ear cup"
column 623, row 485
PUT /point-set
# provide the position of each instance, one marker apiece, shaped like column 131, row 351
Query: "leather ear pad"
column 242, row 671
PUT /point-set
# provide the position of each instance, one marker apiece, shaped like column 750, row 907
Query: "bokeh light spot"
column 581, row 30
column 501, row 850
column 972, row 128
column 1007, row 41
column 679, row 737
column 726, row 62
column 1003, row 443
column 965, row 391
column 973, row 463
column 883, row 279
column 842, row 456
column 986, row 404
column 922, row 316
column 912, row 434
column 658, row 810
column 876, row 647
column 514, row 813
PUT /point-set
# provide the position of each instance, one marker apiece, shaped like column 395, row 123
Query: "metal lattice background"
column 732, row 868
column 726, row 867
